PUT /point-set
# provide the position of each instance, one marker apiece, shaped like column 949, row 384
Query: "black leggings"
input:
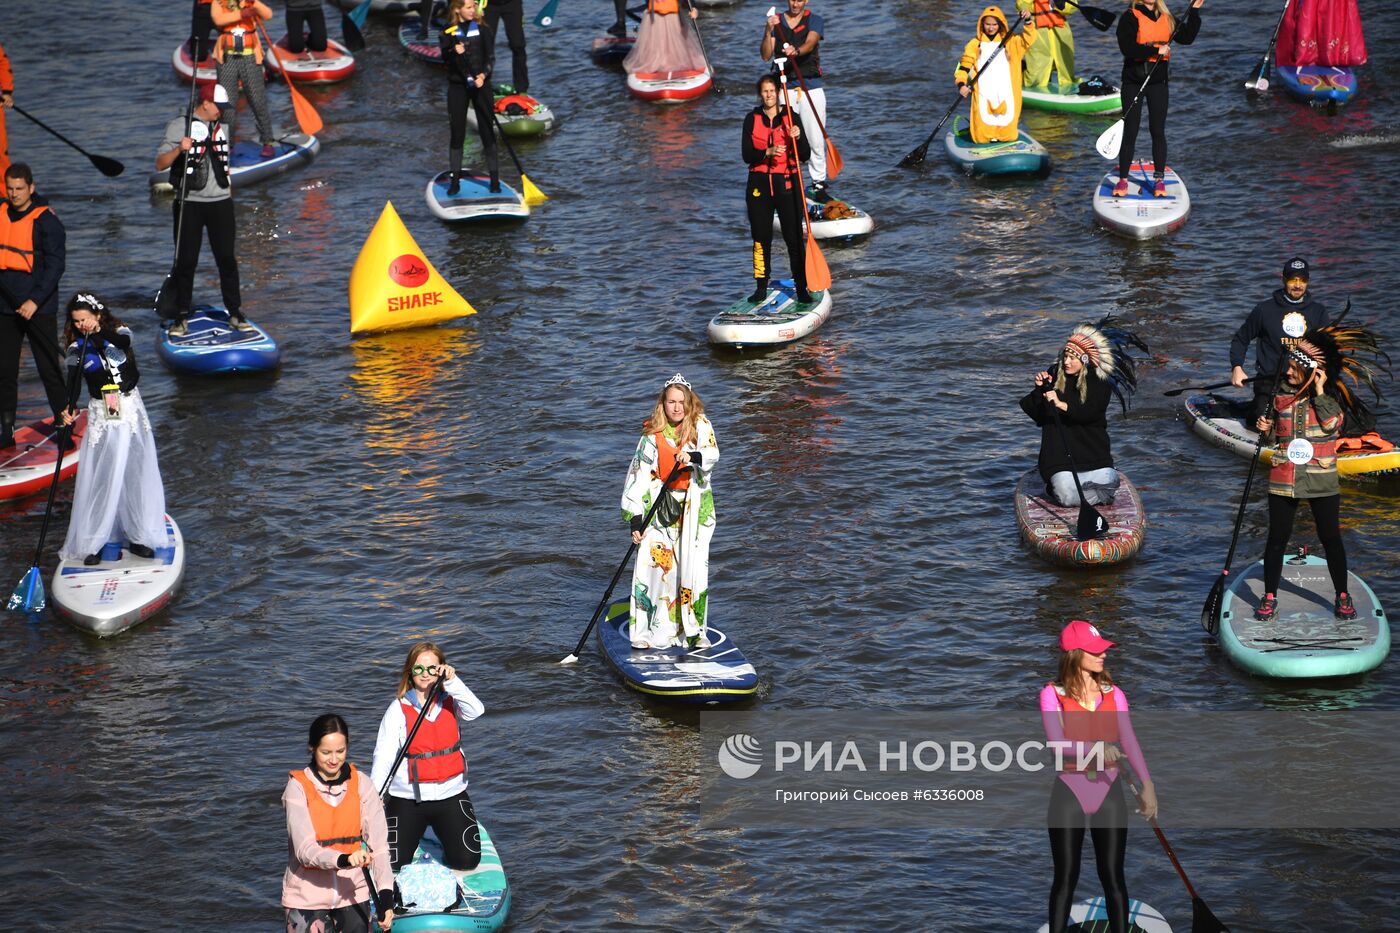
column 482, row 102
column 217, row 218
column 1109, row 828
column 513, row 12
column 300, row 20
column 1326, row 514
column 1155, row 100
column 453, row 821
column 765, row 193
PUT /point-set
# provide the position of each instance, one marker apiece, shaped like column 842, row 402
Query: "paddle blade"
column 533, row 195
column 1091, row 524
column 1210, row 612
column 350, row 32
column 1101, row 20
column 1203, row 921
column 833, row 160
column 109, row 167
column 546, row 14
column 914, row 158
column 360, row 13
column 307, row 117
column 1110, row 141
column 571, row 659
column 29, row 595
column 1260, row 85
column 818, row 275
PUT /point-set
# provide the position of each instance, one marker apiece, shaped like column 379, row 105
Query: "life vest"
column 1085, row 725
column 240, row 37
column 663, row 7
column 17, row 239
column 195, row 166
column 525, row 102
column 1153, row 32
column 810, row 65
column 764, row 136
column 340, row 827
column 666, row 456
column 1046, row 16
column 435, row 754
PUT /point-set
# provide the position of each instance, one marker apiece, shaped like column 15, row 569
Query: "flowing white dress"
column 118, row 495
column 670, row 582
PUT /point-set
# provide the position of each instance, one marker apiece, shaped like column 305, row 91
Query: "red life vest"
column 1153, row 32
column 525, row 101
column 666, row 456
column 435, row 754
column 775, row 135
column 1046, row 16
column 340, row 827
column 1085, row 725
column 17, row 240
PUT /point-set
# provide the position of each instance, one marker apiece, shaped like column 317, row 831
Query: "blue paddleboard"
column 716, row 672
column 215, row 346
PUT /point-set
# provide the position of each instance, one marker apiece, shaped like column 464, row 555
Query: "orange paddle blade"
column 833, row 159
column 307, row 117
column 818, row 275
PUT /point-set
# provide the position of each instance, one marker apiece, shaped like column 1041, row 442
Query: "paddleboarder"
column 513, row 13
column 1083, row 706
column 239, row 55
column 1070, row 404
column 1053, row 48
column 1303, row 427
column 1286, row 316
column 670, row 581
column 1321, row 32
column 1146, row 34
column 33, row 251
column 795, row 37
column 664, row 44
column 772, row 156
column 336, row 837
column 306, row 26
column 996, row 97
column 429, row 786
column 7, row 100
column 119, row 495
column 197, row 156
column 469, row 55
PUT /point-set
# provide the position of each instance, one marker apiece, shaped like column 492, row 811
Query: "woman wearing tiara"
column 672, row 464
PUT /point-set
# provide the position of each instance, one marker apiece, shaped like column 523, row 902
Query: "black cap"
column 1296, row 268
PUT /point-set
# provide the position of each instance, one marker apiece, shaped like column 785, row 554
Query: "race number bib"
column 1294, row 324
column 1300, row 451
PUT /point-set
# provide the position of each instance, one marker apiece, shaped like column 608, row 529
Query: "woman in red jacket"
column 773, row 145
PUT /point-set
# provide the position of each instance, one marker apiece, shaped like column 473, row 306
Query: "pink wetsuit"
column 1091, row 792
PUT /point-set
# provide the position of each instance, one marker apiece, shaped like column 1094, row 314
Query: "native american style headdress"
column 1104, row 348
column 1349, row 356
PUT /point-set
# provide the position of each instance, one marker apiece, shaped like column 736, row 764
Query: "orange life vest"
column 340, row 827
column 663, row 7
column 17, row 239
column 666, row 456
column 1153, row 32
column 524, row 100
column 435, row 754
column 775, row 135
column 1046, row 16
column 241, row 36
column 1084, row 725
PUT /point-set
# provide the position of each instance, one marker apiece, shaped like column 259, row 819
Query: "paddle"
column 675, row 475
column 1091, row 524
column 714, row 78
column 1111, row 139
column 29, row 594
column 1210, row 611
column 546, row 14
column 109, row 167
column 350, row 30
column 1173, row 393
column 360, row 13
column 422, row 714
column 916, row 157
column 164, row 296
column 532, row 194
column 1101, row 20
column 833, row 158
column 307, row 117
column 814, row 263
column 1259, row 78
column 1202, row 919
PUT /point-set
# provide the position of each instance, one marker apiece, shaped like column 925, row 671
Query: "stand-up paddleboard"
column 612, row 49
column 1024, row 156
column 1321, row 85
column 519, row 115
column 247, row 165
column 390, row 7
column 425, row 50
column 1092, row 917
column 1140, row 214
column 1221, row 421
column 1049, row 527
column 474, row 200
column 669, row 87
column 1305, row 639
column 836, row 220
column 714, row 673
column 308, row 67
column 26, row 467
column 438, row 898
column 182, row 60
column 213, row 346
column 121, row 591
column 1073, row 98
column 776, row 320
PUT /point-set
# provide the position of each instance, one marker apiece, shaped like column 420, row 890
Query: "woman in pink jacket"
column 336, row 839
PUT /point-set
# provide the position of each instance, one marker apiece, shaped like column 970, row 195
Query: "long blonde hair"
column 694, row 411
column 1070, row 675
column 1161, row 7
column 423, row 647
column 452, row 18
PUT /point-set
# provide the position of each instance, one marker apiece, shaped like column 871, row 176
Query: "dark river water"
column 462, row 482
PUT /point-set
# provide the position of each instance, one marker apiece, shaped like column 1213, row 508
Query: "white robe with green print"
column 670, row 583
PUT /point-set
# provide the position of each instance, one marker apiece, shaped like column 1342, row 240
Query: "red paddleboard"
column 182, row 60
column 308, row 67
column 27, row 467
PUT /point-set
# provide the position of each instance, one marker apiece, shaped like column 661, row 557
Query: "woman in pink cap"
column 1082, row 706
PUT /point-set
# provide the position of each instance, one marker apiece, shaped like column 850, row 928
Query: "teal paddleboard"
column 437, row 898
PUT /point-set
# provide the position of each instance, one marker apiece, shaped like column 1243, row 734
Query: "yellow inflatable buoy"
column 393, row 285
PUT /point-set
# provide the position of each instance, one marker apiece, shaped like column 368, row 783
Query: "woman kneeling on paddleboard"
column 1083, row 706
column 430, row 785
column 335, row 830
column 119, row 495
column 670, row 582
column 1308, row 415
column 664, row 44
column 772, row 154
column 467, row 52
column 1070, row 403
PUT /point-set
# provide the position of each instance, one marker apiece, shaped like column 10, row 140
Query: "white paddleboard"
column 776, row 320
column 1141, row 215
column 121, row 591
column 1091, row 916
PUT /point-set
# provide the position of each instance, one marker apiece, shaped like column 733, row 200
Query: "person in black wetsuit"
column 306, row 26
column 773, row 144
column 1288, row 315
column 467, row 52
column 513, row 13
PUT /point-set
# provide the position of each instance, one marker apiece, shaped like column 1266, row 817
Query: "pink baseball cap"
column 1080, row 634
